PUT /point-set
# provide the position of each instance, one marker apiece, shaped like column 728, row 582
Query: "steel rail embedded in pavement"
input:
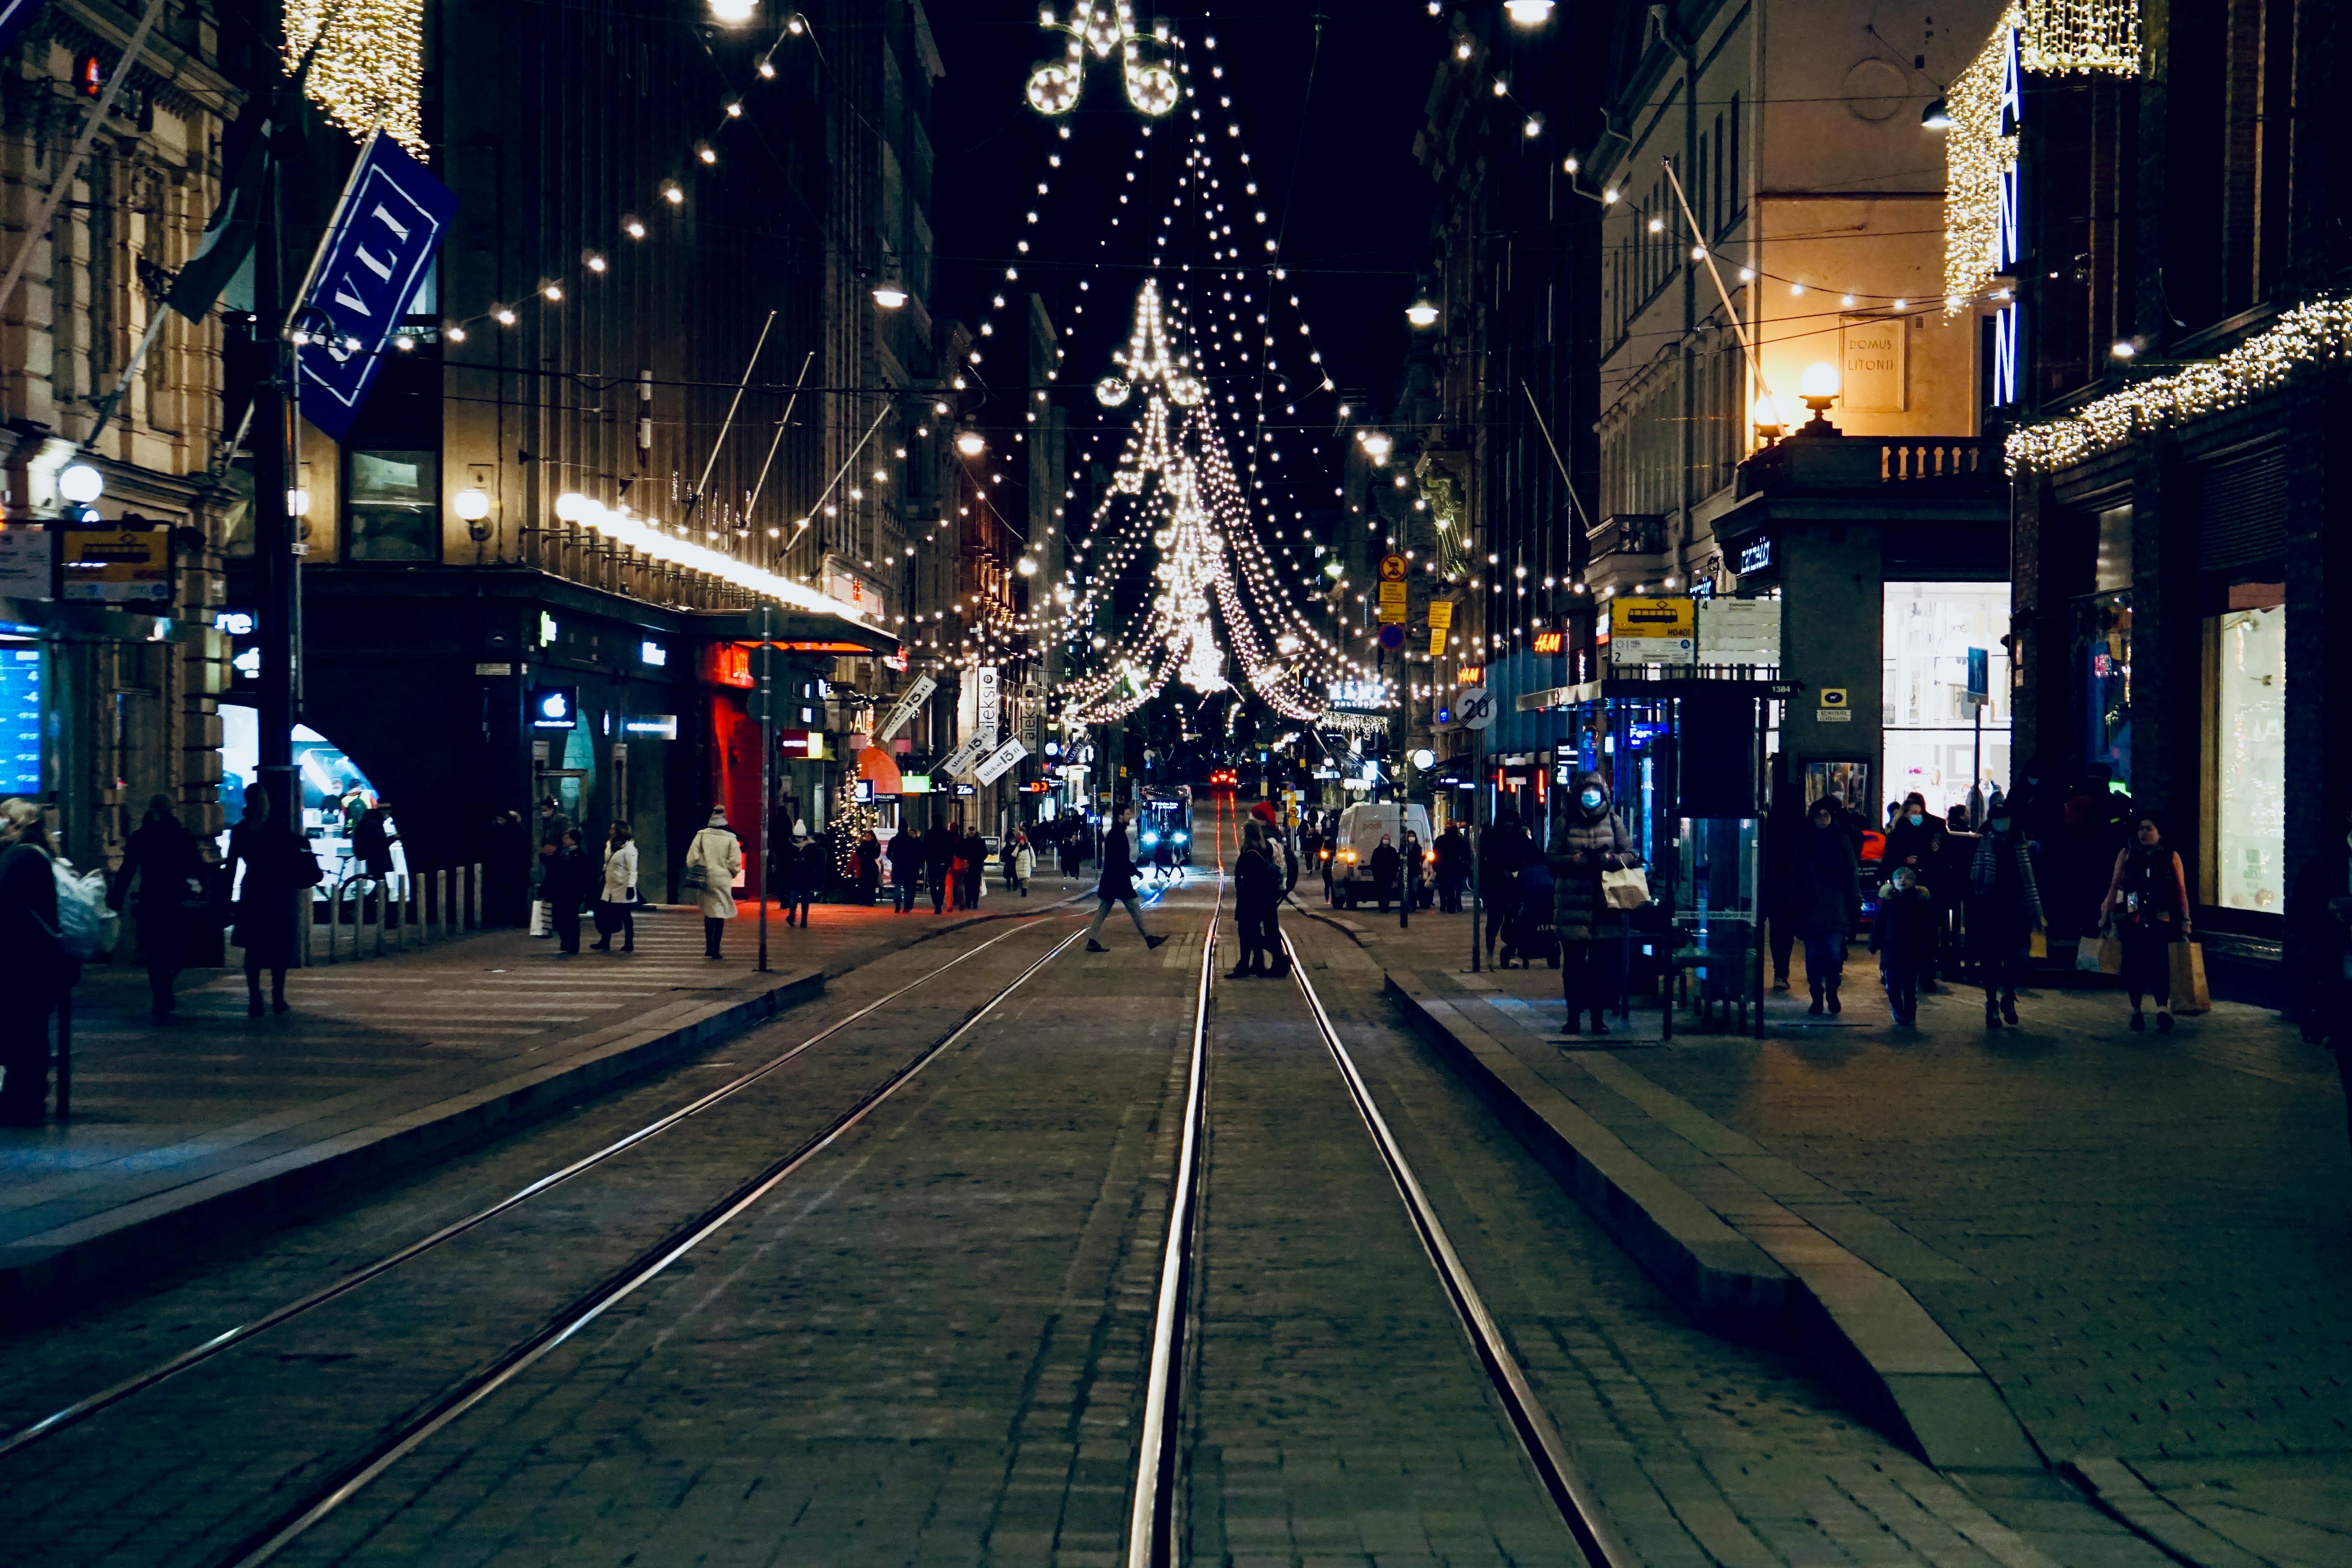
column 138, row 1383
column 1562, row 1478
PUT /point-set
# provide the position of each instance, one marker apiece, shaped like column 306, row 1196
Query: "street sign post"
column 1474, row 705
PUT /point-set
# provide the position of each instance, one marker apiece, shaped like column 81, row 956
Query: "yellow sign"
column 119, row 565
column 1441, row 613
column 1832, row 696
column 1392, row 603
column 1436, row 640
column 1676, row 617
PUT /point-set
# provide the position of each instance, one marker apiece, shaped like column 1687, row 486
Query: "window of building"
column 2246, row 748
column 2103, row 689
column 394, row 507
column 1934, row 740
column 1737, row 205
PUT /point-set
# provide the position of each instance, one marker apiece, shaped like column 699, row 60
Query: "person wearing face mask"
column 1589, row 838
column 2319, row 941
column 2005, row 911
column 1916, row 840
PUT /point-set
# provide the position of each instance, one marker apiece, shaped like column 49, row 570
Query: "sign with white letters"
column 906, row 706
column 1003, row 757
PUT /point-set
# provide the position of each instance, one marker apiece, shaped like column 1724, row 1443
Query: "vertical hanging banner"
column 383, row 238
column 988, row 711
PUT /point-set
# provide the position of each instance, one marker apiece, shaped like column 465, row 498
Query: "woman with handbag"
column 164, row 862
column 712, row 861
column 2148, row 908
column 272, row 905
column 1589, row 840
column 616, row 904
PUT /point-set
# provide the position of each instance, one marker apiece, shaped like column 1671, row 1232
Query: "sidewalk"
column 192, row 1133
column 2063, row 1244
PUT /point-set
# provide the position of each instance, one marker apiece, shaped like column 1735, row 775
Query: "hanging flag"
column 228, row 238
column 383, row 236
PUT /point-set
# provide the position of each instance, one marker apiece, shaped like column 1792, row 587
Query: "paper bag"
column 1626, row 888
column 2188, row 992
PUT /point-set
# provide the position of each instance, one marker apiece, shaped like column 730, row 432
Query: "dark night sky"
column 1340, row 148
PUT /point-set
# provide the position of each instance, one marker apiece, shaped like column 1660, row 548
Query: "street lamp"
column 1529, row 13
column 80, row 483
column 1936, row 116
column 970, row 442
column 732, row 13
column 1818, row 388
column 1421, row 313
column 1765, row 418
column 888, row 292
column 473, row 504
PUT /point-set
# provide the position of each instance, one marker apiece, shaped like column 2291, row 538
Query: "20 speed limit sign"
column 1474, row 705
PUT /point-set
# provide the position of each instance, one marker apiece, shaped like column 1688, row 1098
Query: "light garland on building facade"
column 2040, row 37
column 370, row 68
column 2309, row 334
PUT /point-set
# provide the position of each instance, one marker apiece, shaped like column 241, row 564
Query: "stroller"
column 1527, row 931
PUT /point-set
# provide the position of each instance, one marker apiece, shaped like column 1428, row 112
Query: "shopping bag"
column 2100, row 955
column 1625, row 889
column 2188, row 992
column 542, row 918
column 2038, row 944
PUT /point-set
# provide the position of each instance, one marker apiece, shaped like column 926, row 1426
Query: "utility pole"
column 275, row 544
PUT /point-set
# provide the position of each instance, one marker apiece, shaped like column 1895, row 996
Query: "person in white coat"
column 712, row 861
column 616, row 904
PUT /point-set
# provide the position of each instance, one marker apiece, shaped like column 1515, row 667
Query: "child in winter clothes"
column 1904, row 936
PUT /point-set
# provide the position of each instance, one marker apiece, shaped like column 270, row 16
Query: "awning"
column 879, row 766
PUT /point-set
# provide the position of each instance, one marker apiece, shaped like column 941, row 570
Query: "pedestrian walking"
column 40, row 971
column 799, row 869
column 2005, row 911
column 712, row 862
column 938, row 863
column 2146, row 906
column 552, row 826
column 1453, row 869
column 616, row 901
column 1118, row 886
column 971, row 860
column 1828, row 894
column 1383, row 866
column 1503, row 849
column 1903, row 937
column 1412, row 864
column 164, row 862
column 1916, row 840
column 1587, row 838
column 1021, row 863
column 2319, row 942
column 272, row 902
column 902, row 868
column 1784, row 844
column 1258, row 903
column 572, row 878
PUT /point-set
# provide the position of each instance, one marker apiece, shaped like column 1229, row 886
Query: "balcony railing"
column 1868, row 462
column 1628, row 533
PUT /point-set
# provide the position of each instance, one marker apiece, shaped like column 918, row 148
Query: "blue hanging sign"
column 384, row 236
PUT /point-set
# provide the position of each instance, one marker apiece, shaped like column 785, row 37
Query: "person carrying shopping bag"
column 2146, row 906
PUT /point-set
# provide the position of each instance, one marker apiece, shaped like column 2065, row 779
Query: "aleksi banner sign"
column 377, row 248
column 959, row 761
column 1003, row 757
column 905, row 708
column 988, row 707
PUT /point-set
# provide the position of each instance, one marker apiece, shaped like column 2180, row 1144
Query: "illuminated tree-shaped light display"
column 1175, row 491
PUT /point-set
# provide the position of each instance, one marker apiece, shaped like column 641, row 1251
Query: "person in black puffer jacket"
column 1257, row 898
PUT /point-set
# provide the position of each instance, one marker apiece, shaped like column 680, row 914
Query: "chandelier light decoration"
column 371, row 65
column 2041, row 37
column 1102, row 28
column 1175, row 491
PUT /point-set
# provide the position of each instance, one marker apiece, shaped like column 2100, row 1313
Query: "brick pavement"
column 194, row 1109
column 2141, row 1239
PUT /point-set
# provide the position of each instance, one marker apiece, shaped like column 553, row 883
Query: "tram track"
column 153, row 1375
column 1155, row 1523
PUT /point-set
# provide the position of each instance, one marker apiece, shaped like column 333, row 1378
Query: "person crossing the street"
column 1118, row 886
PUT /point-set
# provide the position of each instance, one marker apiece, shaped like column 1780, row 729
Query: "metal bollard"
column 474, row 896
column 441, row 880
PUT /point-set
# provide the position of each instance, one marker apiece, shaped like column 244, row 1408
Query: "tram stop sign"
column 1474, row 705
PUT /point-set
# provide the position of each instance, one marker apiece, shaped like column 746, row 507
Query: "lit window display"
column 2102, row 634
column 335, row 793
column 2248, row 747
column 1930, row 734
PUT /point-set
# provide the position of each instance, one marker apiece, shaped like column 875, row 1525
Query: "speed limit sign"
column 1474, row 705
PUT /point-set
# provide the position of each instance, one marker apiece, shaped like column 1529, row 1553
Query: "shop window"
column 1934, row 740
column 2103, row 651
column 2246, row 748
column 394, row 512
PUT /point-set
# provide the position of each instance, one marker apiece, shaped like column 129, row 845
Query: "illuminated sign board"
column 1550, row 642
column 652, row 726
column 20, row 722
column 554, row 707
column 1360, row 696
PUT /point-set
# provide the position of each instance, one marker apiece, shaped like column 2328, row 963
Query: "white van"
column 1361, row 827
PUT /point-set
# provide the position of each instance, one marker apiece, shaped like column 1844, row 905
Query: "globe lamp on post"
column 1818, row 388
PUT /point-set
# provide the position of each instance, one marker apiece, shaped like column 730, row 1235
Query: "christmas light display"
column 2308, row 334
column 370, row 68
column 1103, row 28
column 2041, row 37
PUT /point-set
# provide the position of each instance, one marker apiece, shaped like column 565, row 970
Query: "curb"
column 66, row 1268
column 1765, row 1275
